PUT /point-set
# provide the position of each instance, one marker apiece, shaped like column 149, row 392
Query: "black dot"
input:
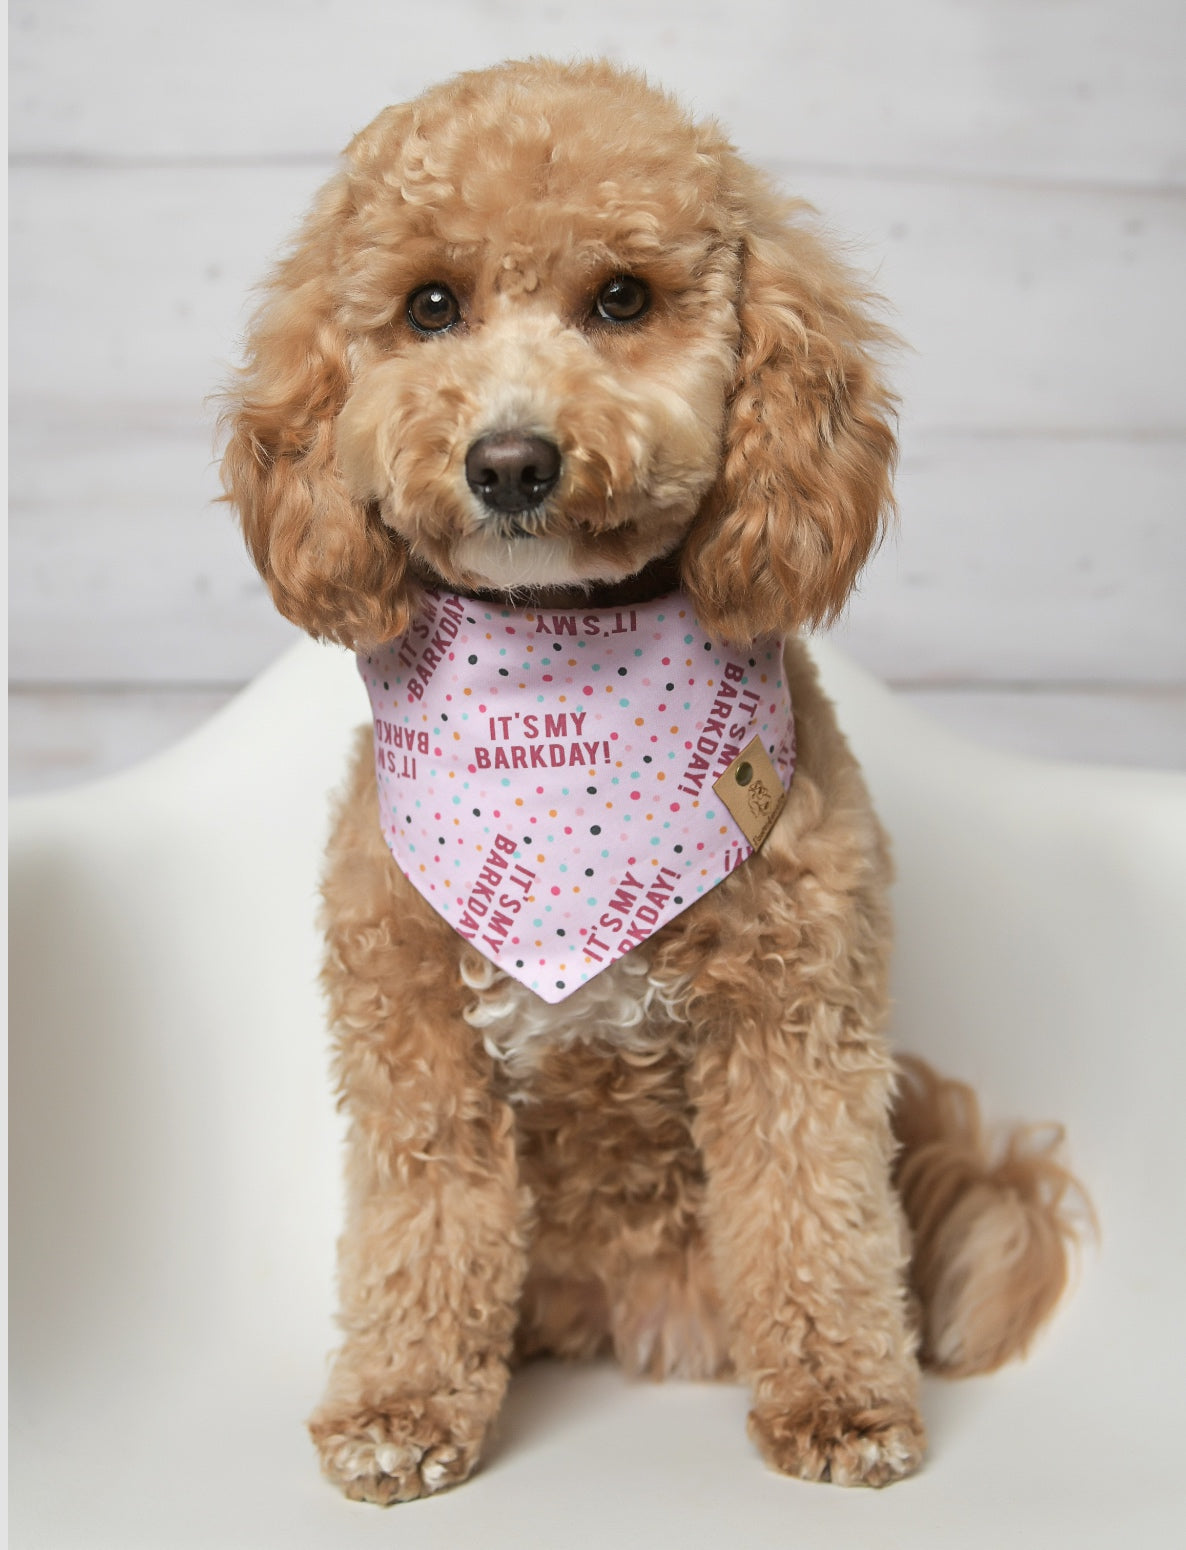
column 527, row 839
column 646, row 758
column 386, row 685
column 752, row 663
column 502, row 673
column 621, row 672
column 440, row 839
column 472, row 660
column 518, row 961
column 670, row 687
column 596, row 829
column 675, row 899
column 559, row 930
column 468, row 620
column 708, row 647
column 588, row 871
column 679, row 850
column 477, row 812
column 592, row 790
column 444, row 717
column 559, row 984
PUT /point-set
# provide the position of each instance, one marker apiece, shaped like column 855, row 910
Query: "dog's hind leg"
column 618, row 1261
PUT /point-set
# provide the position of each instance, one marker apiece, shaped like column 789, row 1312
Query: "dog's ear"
column 330, row 563
column 805, row 487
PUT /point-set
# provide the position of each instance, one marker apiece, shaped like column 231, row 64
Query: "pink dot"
column 675, row 807
column 588, row 689
column 539, row 791
column 666, row 661
column 547, row 678
column 634, row 796
column 568, row 831
column 473, row 769
column 555, row 890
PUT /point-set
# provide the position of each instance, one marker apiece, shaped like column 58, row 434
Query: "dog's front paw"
column 846, row 1445
column 398, row 1450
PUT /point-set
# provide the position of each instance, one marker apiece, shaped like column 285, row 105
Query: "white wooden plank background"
column 1013, row 171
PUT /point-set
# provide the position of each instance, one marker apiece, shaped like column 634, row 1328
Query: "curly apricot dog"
column 565, row 421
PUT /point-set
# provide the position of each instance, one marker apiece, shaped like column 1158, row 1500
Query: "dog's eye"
column 433, row 308
column 623, row 299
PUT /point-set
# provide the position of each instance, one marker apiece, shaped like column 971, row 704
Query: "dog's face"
column 544, row 338
column 542, row 331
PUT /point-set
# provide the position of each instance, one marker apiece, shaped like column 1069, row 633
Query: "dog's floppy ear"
column 805, row 488
column 330, row 563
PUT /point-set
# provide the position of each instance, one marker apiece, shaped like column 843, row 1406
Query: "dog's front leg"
column 807, row 1238
column 432, row 1258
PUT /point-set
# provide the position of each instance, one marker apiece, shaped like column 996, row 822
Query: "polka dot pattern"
column 546, row 779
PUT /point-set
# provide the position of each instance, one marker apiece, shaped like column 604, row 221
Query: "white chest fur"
column 622, row 1008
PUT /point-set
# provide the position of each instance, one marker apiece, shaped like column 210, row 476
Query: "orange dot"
column 638, row 721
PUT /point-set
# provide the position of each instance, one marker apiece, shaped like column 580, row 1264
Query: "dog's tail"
column 993, row 1228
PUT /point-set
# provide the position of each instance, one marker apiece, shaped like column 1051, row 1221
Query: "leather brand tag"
column 751, row 790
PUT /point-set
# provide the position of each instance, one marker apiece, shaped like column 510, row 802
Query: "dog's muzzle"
column 511, row 472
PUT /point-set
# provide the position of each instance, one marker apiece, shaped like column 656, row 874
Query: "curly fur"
column 690, row 1162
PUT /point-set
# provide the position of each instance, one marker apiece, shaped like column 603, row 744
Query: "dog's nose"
column 509, row 471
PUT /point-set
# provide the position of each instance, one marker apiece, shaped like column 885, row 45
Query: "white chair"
column 175, row 1172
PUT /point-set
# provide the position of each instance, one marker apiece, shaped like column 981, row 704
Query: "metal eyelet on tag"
column 753, row 793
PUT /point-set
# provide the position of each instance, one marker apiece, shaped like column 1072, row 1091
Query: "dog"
column 570, row 425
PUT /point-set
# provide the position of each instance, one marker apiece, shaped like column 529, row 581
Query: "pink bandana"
column 546, row 780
